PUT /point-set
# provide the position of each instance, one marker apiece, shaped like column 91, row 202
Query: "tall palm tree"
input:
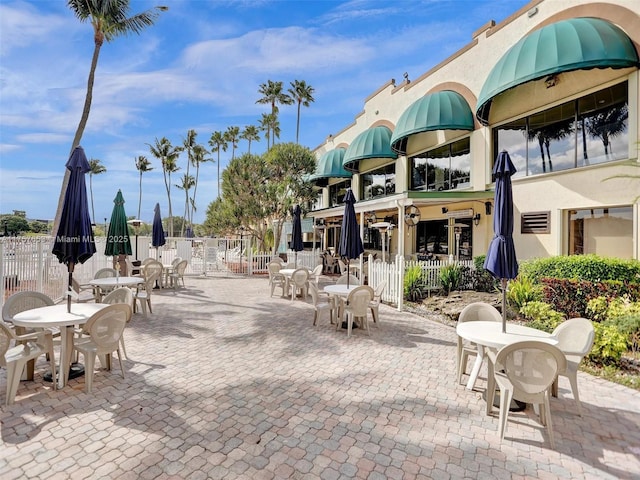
column 110, row 20
column 218, row 142
column 250, row 133
column 268, row 122
column 96, row 168
column 187, row 145
column 186, row 183
column 302, row 94
column 142, row 165
column 199, row 156
column 168, row 156
column 233, row 135
column 273, row 94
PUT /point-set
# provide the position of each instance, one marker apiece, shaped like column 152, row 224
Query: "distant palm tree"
column 250, row 133
column 302, row 94
column 187, row 145
column 271, row 126
column 168, row 156
column 199, row 156
column 187, row 182
column 142, row 165
column 273, row 94
column 218, row 142
column 110, row 20
column 233, row 135
column 96, row 168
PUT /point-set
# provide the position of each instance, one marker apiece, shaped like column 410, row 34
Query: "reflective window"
column 447, row 167
column 586, row 131
column 379, row 182
column 431, row 237
column 603, row 231
column 337, row 191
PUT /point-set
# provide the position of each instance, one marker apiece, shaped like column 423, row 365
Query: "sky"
column 199, row 67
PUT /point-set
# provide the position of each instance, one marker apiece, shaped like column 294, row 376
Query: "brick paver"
column 223, row 381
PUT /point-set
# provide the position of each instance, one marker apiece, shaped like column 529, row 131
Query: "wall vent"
column 535, row 222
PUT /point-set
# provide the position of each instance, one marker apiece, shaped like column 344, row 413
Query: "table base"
column 516, row 405
column 76, row 370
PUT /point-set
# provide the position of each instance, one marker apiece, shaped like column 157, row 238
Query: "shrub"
column 629, row 326
column 609, row 344
column 591, row 268
column 540, row 315
column 450, row 277
column 478, row 262
column 414, row 283
column 522, row 290
column 597, row 309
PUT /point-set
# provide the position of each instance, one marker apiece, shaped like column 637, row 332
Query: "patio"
column 225, row 382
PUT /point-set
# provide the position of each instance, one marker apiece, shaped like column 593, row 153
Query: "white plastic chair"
column 321, row 303
column 143, row 293
column 575, row 339
column 299, row 282
column 178, row 274
column 316, row 273
column 357, row 306
column 104, row 330
column 124, row 296
column 374, row 305
column 276, row 279
column 477, row 311
column 343, row 267
column 524, row 371
column 353, row 280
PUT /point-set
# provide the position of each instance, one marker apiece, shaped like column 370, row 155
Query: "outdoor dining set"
column 90, row 322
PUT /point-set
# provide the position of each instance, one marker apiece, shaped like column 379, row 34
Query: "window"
column 603, row 231
column 431, row 237
column 379, row 182
column 447, row 167
column 337, row 191
column 586, row 131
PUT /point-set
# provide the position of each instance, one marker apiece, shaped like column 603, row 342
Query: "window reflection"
column 603, row 231
column 447, row 167
column 586, row 131
column 379, row 182
column 337, row 191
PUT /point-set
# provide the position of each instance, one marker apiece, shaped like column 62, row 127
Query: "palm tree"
column 188, row 144
column 269, row 123
column 187, row 182
column 168, row 156
column 96, row 168
column 272, row 94
column 302, row 95
column 110, row 20
column 250, row 133
column 142, row 165
column 199, row 156
column 218, row 142
column 232, row 136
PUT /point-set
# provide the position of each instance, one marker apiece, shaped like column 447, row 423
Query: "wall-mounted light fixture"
column 487, row 208
column 551, row 81
column 476, row 219
column 444, row 210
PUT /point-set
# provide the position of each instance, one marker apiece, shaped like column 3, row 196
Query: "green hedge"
column 591, row 268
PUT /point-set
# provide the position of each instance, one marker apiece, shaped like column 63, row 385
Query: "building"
column 555, row 85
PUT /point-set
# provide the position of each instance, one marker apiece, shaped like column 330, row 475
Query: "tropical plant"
column 302, row 94
column 232, row 136
column 522, row 290
column 199, row 156
column 609, row 344
column 540, row 315
column 250, row 134
column 187, row 145
column 450, row 277
column 267, row 122
column 95, row 168
column 414, row 283
column 273, row 94
column 110, row 19
column 143, row 165
column 218, row 142
column 168, row 156
column 187, row 182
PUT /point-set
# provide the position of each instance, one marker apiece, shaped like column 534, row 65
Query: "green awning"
column 445, row 110
column 374, row 142
column 565, row 46
column 330, row 166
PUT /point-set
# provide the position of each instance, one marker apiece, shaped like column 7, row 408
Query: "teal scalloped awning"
column 565, row 46
column 445, row 110
column 330, row 166
column 374, row 142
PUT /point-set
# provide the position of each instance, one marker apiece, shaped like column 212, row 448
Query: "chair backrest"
column 107, row 325
column 106, row 273
column 531, row 366
column 273, row 268
column 150, row 279
column 313, row 291
column 119, row 295
column 21, row 301
column 479, row 311
column 377, row 294
column 7, row 334
column 147, row 260
column 299, row 277
column 152, row 268
column 343, row 266
column 129, row 264
column 358, row 300
column 176, row 261
column 575, row 336
column 180, row 267
column 316, row 273
column 353, row 280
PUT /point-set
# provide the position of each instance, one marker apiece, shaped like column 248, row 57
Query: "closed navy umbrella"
column 501, row 259
column 74, row 241
column 296, row 234
column 350, row 245
column 157, row 231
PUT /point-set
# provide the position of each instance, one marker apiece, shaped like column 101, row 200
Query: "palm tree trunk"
column 93, row 213
column 140, row 196
column 80, row 130
column 298, row 123
column 166, row 186
column 218, row 172
column 195, row 190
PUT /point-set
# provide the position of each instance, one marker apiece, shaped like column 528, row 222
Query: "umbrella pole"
column 348, row 260
column 69, row 287
column 504, row 305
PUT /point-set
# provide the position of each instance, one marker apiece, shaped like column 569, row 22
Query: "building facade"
column 555, row 85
